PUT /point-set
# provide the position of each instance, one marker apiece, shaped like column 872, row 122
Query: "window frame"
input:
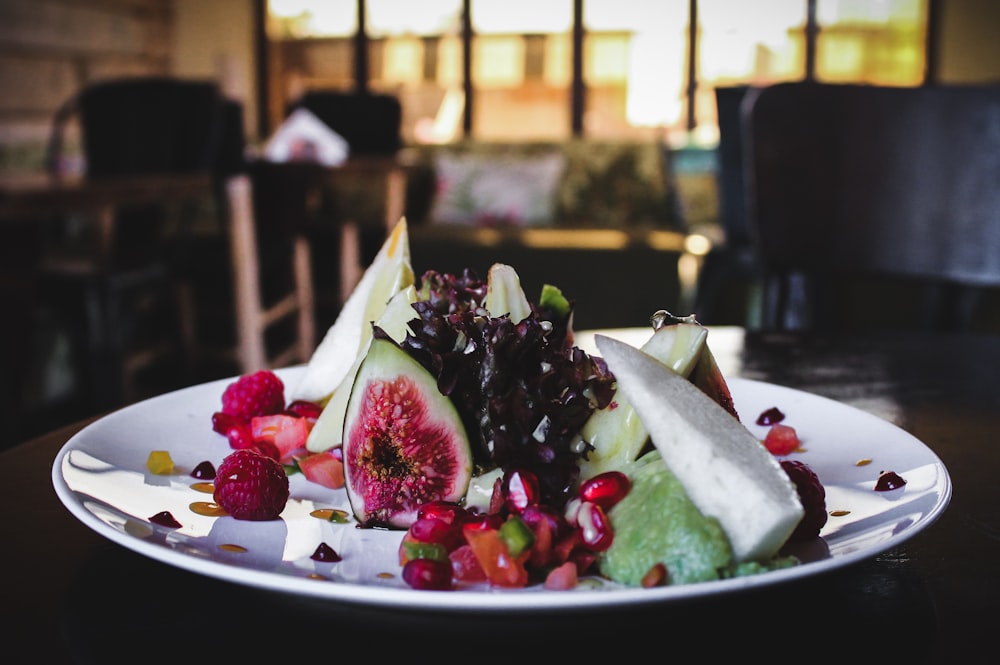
column 578, row 88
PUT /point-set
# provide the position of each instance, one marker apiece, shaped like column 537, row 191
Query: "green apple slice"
column 616, row 432
column 328, row 431
column 727, row 473
column 390, row 272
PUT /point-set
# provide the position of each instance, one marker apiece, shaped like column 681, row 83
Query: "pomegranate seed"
column 781, row 440
column 656, row 576
column 535, row 515
column 482, row 522
column 446, row 511
column 572, row 511
column 304, row 409
column 595, row 527
column 770, row 416
column 221, row 422
column 520, row 489
column 428, row 574
column 606, row 489
column 240, row 436
column 889, row 480
column 547, row 525
column 434, row 530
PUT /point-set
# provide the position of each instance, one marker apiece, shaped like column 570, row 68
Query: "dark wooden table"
column 69, row 595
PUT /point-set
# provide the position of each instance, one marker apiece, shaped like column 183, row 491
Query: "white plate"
column 101, row 477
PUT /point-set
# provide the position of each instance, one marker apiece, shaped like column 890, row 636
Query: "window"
column 871, row 42
column 643, row 71
column 634, row 67
column 521, row 69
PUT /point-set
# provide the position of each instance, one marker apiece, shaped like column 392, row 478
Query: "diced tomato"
column 781, row 440
column 287, row 433
column 465, row 566
column 500, row 567
column 324, row 468
column 562, row 577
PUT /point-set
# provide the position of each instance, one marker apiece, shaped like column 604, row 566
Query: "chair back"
column 856, row 182
column 150, row 125
column 369, row 122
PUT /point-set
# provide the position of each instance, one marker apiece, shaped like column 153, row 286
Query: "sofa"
column 602, row 220
column 599, row 219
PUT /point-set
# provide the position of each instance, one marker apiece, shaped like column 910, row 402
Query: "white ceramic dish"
column 101, row 477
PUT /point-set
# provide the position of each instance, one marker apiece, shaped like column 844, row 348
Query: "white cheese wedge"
column 389, row 272
column 616, row 432
column 725, row 470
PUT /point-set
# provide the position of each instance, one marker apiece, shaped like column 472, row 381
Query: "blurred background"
column 625, row 93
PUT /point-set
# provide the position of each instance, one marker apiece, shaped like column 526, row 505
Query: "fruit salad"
column 459, row 411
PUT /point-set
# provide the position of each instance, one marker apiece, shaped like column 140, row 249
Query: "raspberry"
column 259, row 394
column 813, row 497
column 250, row 486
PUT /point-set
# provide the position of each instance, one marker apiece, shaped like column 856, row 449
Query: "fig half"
column 404, row 442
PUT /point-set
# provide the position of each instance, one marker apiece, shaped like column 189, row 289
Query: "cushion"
column 487, row 190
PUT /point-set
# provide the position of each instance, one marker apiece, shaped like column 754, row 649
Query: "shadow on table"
column 124, row 608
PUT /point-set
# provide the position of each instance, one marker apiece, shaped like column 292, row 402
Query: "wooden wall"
column 49, row 48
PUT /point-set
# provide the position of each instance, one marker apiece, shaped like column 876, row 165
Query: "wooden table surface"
column 69, row 595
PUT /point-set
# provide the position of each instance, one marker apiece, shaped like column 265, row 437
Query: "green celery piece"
column 517, row 535
column 552, row 298
column 418, row 550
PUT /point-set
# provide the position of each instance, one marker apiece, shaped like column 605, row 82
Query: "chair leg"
column 305, row 298
column 350, row 259
column 252, row 353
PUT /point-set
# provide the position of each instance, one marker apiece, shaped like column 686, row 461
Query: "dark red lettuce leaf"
column 523, row 390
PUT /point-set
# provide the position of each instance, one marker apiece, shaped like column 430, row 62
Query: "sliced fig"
column 404, row 442
column 328, row 431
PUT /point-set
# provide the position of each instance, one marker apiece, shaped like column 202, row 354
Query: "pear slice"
column 727, row 473
column 616, row 432
column 328, row 430
column 390, row 272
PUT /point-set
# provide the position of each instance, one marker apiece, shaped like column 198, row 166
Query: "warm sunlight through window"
column 312, row 18
column 880, row 43
column 636, row 59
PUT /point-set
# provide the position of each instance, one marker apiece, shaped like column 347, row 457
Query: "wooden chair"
column 366, row 196
column 119, row 291
column 251, row 289
column 729, row 277
column 199, row 304
column 875, row 206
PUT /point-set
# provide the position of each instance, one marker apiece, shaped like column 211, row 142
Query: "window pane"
column 415, row 54
column 739, row 43
column 521, row 16
column 634, row 67
column 295, row 19
column 521, row 69
column 311, row 46
column 427, row 18
column 880, row 43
